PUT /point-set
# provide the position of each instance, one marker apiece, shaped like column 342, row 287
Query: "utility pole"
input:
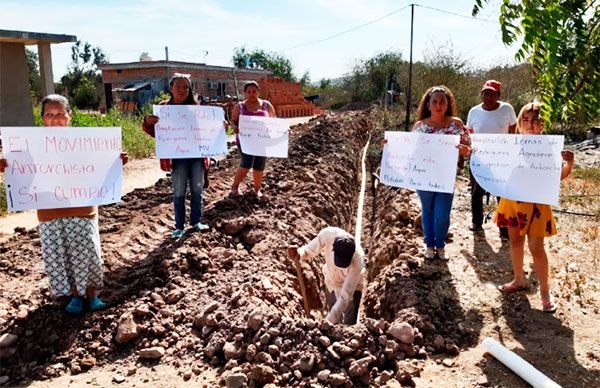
column 412, row 18
column 385, row 92
column 235, row 84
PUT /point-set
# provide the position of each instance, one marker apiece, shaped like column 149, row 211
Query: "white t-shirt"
column 491, row 121
column 341, row 281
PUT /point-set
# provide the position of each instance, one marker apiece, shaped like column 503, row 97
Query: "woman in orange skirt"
column 531, row 220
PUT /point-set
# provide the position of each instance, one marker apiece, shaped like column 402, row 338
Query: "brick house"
column 131, row 85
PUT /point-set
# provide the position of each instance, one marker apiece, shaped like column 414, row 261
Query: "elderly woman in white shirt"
column 344, row 271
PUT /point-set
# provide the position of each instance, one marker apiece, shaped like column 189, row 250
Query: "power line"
column 383, row 17
column 346, row 31
column 456, row 14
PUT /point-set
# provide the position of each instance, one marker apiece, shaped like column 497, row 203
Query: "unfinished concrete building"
column 15, row 97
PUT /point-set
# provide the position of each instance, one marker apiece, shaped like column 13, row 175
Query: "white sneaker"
column 443, row 255
column 429, row 254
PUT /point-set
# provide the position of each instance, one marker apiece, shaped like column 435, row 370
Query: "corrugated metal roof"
column 132, row 87
column 177, row 64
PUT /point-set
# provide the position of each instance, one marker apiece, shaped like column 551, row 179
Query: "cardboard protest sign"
column 264, row 136
column 420, row 161
column 61, row 167
column 523, row 168
column 189, row 131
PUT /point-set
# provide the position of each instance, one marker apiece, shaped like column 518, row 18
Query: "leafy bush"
column 146, row 109
column 85, row 95
column 135, row 142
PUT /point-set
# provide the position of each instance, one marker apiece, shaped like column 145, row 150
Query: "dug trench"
column 228, row 300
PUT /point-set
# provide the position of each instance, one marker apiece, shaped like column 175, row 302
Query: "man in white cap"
column 344, row 271
column 491, row 116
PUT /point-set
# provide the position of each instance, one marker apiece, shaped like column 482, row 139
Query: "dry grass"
column 581, row 191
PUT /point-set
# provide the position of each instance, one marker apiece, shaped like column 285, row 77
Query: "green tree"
column 262, row 60
column 371, row 77
column 86, row 58
column 561, row 40
column 35, row 84
column 441, row 65
column 324, row 83
column 85, row 94
column 305, row 79
column 83, row 81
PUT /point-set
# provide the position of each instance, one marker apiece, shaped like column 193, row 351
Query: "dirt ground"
column 224, row 307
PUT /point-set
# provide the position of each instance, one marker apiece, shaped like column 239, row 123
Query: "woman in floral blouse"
column 436, row 114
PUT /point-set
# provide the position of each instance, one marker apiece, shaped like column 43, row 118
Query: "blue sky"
column 207, row 31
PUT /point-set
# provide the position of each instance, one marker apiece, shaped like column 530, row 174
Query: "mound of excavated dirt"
column 229, row 299
column 405, row 287
column 354, row 106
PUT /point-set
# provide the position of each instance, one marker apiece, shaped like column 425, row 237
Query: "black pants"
column 349, row 316
column 477, row 194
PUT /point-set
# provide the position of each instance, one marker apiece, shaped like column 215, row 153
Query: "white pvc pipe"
column 361, row 205
column 361, row 196
column 518, row 365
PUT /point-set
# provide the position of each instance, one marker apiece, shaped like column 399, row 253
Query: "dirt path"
column 138, row 173
column 563, row 345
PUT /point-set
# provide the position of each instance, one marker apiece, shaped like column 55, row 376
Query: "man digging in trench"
column 344, row 271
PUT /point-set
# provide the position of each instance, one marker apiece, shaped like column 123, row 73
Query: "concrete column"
column 47, row 78
column 15, row 97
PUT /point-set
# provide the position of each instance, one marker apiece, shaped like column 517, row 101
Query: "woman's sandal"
column 510, row 287
column 258, row 194
column 75, row 306
column 549, row 306
column 96, row 304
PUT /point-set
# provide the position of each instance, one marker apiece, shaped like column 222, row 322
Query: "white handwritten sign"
column 189, row 131
column 420, row 161
column 264, row 136
column 57, row 167
column 519, row 167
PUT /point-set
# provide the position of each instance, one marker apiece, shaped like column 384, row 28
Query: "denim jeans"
column 182, row 171
column 435, row 217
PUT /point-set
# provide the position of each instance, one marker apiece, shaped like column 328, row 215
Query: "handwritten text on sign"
column 56, row 167
column 189, row 131
column 519, row 167
column 264, row 136
column 420, row 161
